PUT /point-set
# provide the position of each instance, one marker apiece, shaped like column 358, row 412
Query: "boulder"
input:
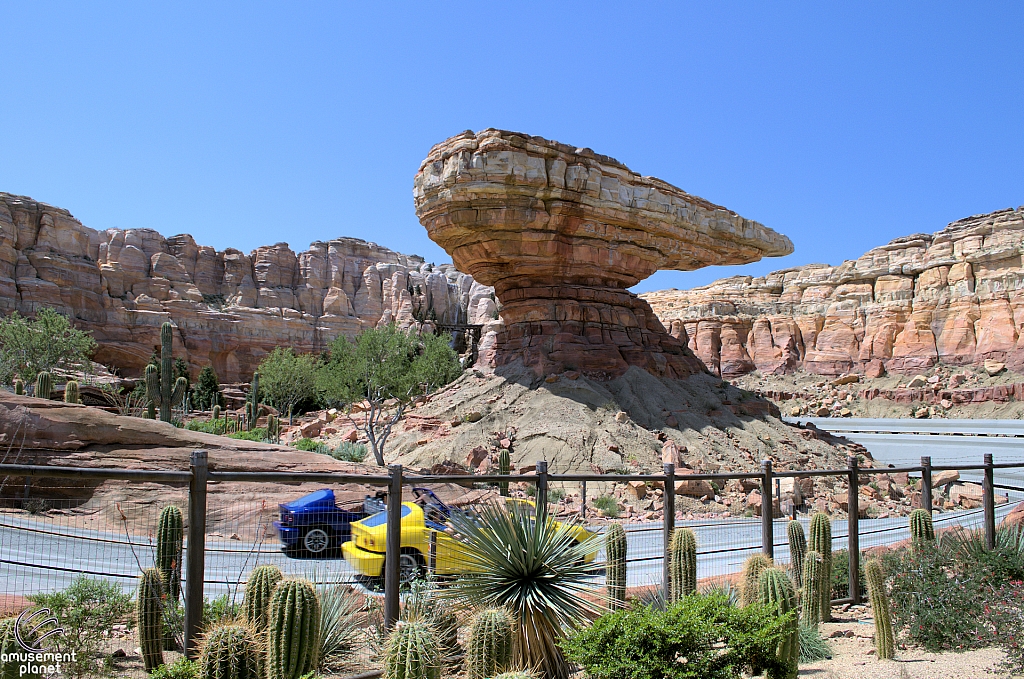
column 944, row 477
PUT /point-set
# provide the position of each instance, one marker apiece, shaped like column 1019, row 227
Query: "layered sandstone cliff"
column 229, row 308
column 954, row 297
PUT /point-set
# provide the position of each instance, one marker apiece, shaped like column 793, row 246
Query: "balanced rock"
column 562, row 233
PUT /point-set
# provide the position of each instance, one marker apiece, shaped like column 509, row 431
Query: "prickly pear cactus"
column 813, row 582
column 797, row 549
column 683, row 563
column 258, row 590
column 615, row 571
column 44, row 385
column 885, row 643
column 821, row 542
column 230, row 652
column 149, row 610
column 489, row 649
column 293, row 630
column 170, row 532
column 752, row 568
column 411, row 652
column 778, row 592
column 71, row 392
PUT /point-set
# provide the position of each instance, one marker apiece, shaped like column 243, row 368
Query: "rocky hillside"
column 229, row 308
column 954, row 297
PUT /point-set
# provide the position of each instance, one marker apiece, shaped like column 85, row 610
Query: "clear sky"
column 842, row 125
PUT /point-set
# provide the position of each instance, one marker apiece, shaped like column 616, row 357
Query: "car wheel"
column 410, row 567
column 316, row 540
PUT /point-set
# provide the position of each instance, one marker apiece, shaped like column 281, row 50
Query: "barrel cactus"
column 489, row 649
column 777, row 591
column 230, row 651
column 258, row 591
column 293, row 630
column 683, row 563
column 170, row 532
column 615, row 571
column 149, row 610
column 752, row 568
column 797, row 549
column 885, row 643
column 411, row 652
column 19, row 387
column 71, row 392
column 922, row 530
column 44, row 385
column 504, row 468
column 813, row 578
column 821, row 542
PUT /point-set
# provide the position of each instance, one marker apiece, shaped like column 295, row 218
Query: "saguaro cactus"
column 411, row 652
column 216, row 412
column 273, row 428
column 797, row 549
column 683, row 563
column 504, row 467
column 885, row 643
column 71, row 392
column 258, row 591
column 150, row 619
column 152, row 378
column 821, row 542
column 179, row 391
column 922, row 530
column 777, row 591
column 170, row 532
column 253, row 406
column 489, row 650
column 615, row 571
column 44, row 385
column 19, row 387
column 752, row 569
column 230, row 652
column 166, row 370
column 293, row 630
column 813, row 578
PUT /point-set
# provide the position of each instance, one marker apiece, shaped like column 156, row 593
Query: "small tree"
column 29, row 347
column 376, row 376
column 287, row 379
column 207, row 389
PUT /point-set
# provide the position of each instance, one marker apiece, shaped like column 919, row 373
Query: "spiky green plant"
column 814, row 578
column 71, row 392
column 254, row 401
column 216, row 413
column 504, row 468
column 776, row 590
column 922, row 530
column 258, row 590
column 797, row 549
column 683, row 563
column 274, row 428
column 152, row 378
column 170, row 532
column 13, row 668
column 19, row 387
column 751, row 576
column 490, row 645
column 339, row 627
column 821, row 542
column 423, row 603
column 149, row 610
column 885, row 643
column 179, row 391
column 230, row 651
column 293, row 630
column 166, row 370
column 534, row 568
column 411, row 652
column 44, row 385
column 615, row 570
column 519, row 674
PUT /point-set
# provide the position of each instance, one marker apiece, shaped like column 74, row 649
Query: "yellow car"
column 422, row 520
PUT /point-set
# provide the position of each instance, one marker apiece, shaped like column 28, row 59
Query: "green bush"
column 607, row 505
column 555, row 495
column 218, row 426
column 349, row 452
column 259, row 434
column 717, row 640
column 311, row 446
column 220, row 609
column 841, row 574
column 182, row 668
column 86, row 610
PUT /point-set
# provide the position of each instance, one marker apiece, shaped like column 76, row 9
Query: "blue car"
column 315, row 525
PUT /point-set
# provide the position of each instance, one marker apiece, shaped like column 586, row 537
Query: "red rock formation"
column 229, row 308
column 562, row 233
column 953, row 297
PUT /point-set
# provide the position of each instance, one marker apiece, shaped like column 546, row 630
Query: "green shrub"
column 259, row 434
column 219, row 426
column 718, row 641
column 220, row 609
column 607, row 505
column 312, row 446
column 182, row 668
column 86, row 610
column 555, row 495
column 841, row 574
column 349, row 452
column 812, row 646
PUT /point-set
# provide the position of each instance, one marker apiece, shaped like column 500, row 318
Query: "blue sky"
column 842, row 125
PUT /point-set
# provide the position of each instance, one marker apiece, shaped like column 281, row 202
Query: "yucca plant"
column 339, row 623
column 534, row 568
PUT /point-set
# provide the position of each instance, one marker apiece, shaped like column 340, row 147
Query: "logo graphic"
column 29, row 641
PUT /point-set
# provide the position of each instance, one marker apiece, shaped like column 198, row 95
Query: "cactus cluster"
column 490, row 645
column 230, row 652
column 72, row 393
column 813, row 579
column 411, row 652
column 293, row 630
column 149, row 610
column 273, row 428
column 504, row 468
column 922, row 530
column 821, row 542
column 44, row 385
column 885, row 643
column 615, row 570
column 751, row 577
column 776, row 590
column 19, row 387
column 683, row 563
column 170, row 532
column 258, row 590
column 797, row 550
